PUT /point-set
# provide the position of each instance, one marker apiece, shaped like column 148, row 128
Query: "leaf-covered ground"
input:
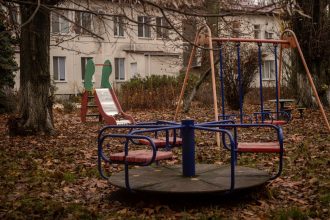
column 56, row 177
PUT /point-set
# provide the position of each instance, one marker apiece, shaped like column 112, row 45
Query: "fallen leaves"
column 58, row 175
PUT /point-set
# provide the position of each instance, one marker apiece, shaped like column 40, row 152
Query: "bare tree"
column 35, row 104
column 312, row 27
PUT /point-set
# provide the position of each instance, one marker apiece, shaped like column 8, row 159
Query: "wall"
column 131, row 47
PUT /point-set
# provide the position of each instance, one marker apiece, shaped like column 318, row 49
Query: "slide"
column 109, row 107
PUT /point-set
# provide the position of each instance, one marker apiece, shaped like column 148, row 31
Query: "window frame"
column 270, row 74
column 257, row 31
column 58, row 74
column 118, row 69
column 118, row 26
column 79, row 20
column 60, row 21
column 83, row 67
column 14, row 15
column 236, row 29
column 269, row 35
column 136, row 69
column 162, row 32
column 144, row 26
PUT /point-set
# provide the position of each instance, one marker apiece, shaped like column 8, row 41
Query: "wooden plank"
column 140, row 156
column 259, row 147
column 168, row 179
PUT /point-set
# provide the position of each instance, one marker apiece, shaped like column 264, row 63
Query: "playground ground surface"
column 56, row 177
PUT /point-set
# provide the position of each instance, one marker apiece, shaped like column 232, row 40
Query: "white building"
column 142, row 48
column 135, row 43
column 260, row 22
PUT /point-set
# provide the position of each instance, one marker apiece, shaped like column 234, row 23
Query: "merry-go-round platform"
column 209, row 178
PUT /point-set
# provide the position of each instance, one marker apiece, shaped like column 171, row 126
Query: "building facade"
column 138, row 41
column 257, row 21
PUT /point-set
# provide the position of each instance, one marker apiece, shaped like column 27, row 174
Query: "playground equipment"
column 109, row 108
column 139, row 149
column 288, row 40
column 188, row 177
column 105, row 98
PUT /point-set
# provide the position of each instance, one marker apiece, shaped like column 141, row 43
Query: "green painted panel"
column 89, row 72
column 106, row 72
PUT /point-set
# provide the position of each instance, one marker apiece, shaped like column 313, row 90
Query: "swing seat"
column 275, row 122
column 161, row 142
column 259, row 147
column 140, row 156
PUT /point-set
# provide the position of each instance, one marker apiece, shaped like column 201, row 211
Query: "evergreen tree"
column 7, row 65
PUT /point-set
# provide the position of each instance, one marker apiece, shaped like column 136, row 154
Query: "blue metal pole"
column 239, row 83
column 222, row 84
column 276, row 80
column 188, row 148
column 260, row 86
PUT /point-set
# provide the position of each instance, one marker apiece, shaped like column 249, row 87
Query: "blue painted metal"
column 260, row 86
column 222, row 86
column 129, row 137
column 187, row 127
column 276, row 81
column 234, row 116
column 240, row 92
column 227, row 127
column 233, row 148
column 188, row 148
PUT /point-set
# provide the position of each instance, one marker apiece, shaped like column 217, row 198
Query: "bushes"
column 150, row 92
column 249, row 67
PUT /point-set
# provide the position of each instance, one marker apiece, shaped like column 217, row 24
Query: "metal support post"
column 188, row 148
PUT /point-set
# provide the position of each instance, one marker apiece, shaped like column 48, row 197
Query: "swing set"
column 288, row 40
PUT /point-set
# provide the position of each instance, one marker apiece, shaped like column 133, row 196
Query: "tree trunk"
column 211, row 7
column 313, row 34
column 35, row 104
column 191, row 95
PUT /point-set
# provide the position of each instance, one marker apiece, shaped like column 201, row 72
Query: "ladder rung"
column 91, row 115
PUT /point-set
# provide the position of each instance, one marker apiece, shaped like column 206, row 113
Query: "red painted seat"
column 161, row 142
column 140, row 156
column 259, row 147
column 276, row 122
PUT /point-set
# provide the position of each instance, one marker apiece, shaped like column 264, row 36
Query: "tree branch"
column 188, row 100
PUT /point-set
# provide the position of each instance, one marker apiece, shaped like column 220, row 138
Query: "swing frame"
column 288, row 40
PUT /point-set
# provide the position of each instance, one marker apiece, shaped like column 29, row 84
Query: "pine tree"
column 7, row 64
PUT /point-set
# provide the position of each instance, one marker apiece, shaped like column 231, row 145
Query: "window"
column 85, row 20
column 14, row 15
column 134, row 69
column 144, row 27
column 162, row 28
column 236, row 30
column 119, row 68
column 59, row 24
column 83, row 66
column 268, row 72
column 257, row 31
column 118, row 26
column 269, row 35
column 59, row 68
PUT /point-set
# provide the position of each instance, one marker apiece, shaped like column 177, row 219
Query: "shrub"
column 249, row 67
column 69, row 106
column 151, row 92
